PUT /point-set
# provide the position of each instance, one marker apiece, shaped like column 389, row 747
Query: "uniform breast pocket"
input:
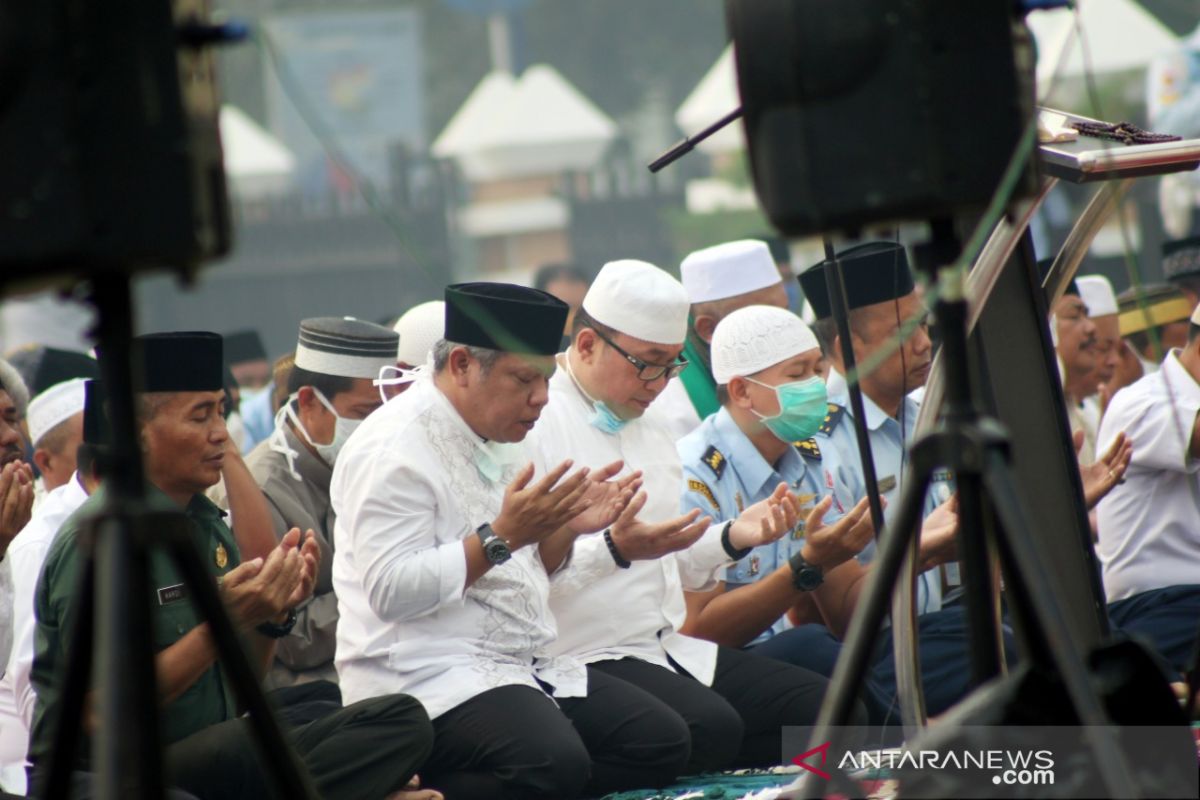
column 173, row 615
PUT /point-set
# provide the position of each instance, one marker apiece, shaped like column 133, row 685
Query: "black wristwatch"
column 273, row 631
column 495, row 549
column 805, row 576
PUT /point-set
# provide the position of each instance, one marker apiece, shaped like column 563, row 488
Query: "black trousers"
column 515, row 742
column 737, row 722
column 365, row 750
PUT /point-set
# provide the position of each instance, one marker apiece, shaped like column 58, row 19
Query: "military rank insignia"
column 808, row 448
column 702, row 488
column 715, row 461
column 737, row 501
column 833, row 415
column 220, row 556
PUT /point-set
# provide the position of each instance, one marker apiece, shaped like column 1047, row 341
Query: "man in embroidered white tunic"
column 624, row 618
column 1148, row 525
column 443, row 585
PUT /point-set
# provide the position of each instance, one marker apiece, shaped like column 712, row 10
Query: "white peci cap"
column 1097, row 294
column 728, row 270
column 754, row 338
column 639, row 300
column 420, row 328
column 53, row 407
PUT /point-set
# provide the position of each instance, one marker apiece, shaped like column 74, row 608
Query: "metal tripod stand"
column 975, row 449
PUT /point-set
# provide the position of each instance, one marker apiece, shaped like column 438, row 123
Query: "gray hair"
column 11, row 382
column 486, row 357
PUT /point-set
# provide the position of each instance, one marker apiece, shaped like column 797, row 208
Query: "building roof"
column 537, row 124
column 714, row 96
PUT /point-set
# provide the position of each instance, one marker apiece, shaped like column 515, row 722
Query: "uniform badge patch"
column 171, row 594
column 737, row 501
column 220, row 556
column 715, row 461
column 755, row 564
column 701, row 487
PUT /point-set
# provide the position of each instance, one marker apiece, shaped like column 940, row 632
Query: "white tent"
column 1120, row 35
column 538, row 124
column 256, row 162
column 714, row 96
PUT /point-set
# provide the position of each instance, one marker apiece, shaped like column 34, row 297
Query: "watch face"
column 497, row 551
column 809, row 578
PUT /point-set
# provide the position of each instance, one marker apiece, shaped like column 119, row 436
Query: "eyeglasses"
column 648, row 372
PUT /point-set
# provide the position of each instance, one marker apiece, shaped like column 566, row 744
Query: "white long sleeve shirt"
column 407, row 491
column 24, row 558
column 606, row 613
column 1149, row 524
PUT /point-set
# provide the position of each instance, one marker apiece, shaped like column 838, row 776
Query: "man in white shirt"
column 619, row 612
column 719, row 280
column 16, row 488
column 16, row 503
column 445, row 548
column 55, row 423
column 1098, row 295
column 1149, row 526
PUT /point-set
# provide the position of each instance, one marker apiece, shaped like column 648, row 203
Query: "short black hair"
column 584, row 320
column 89, row 459
column 328, row 385
column 550, row 273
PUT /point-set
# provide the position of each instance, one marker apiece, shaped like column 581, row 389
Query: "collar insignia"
column 715, row 461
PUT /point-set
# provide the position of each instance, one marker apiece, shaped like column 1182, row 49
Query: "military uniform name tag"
column 171, row 594
column 887, row 484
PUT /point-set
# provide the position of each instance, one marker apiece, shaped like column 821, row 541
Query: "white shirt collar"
column 839, row 392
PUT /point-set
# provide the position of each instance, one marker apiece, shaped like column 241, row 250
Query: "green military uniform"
column 362, row 751
column 209, row 700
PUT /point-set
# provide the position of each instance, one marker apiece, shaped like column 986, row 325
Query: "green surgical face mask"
column 801, row 409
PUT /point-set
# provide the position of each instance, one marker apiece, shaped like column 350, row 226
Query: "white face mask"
column 327, row 452
column 493, row 458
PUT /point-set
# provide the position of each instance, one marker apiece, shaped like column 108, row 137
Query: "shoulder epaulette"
column 833, row 415
column 808, row 448
column 715, row 461
column 701, row 487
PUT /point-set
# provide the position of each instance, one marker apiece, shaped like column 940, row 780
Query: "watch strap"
column 727, row 544
column 278, row 631
column 805, row 576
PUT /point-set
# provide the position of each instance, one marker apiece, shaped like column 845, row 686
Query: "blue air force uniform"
column 723, row 473
column 942, row 623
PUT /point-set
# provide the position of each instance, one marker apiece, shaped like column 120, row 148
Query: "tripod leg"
column 1051, row 627
column 982, row 633
column 291, row 775
column 125, row 766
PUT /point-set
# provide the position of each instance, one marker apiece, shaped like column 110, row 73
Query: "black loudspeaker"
column 110, row 153
column 865, row 111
